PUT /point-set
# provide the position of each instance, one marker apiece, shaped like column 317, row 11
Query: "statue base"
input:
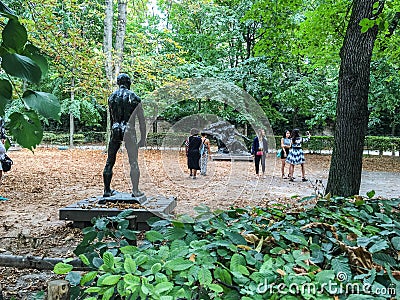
column 232, row 157
column 122, row 198
column 82, row 212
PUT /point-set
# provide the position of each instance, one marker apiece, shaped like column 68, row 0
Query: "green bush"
column 345, row 248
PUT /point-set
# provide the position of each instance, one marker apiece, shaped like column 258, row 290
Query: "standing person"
column 296, row 154
column 259, row 149
column 286, row 143
column 125, row 107
column 193, row 144
column 205, row 152
column 2, row 148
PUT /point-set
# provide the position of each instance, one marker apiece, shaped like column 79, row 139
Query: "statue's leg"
column 132, row 149
column 113, row 147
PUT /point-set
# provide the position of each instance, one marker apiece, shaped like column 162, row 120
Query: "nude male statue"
column 125, row 107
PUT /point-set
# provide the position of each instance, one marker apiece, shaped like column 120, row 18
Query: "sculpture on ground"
column 227, row 138
column 125, row 107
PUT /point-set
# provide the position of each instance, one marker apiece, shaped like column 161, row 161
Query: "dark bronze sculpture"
column 125, row 107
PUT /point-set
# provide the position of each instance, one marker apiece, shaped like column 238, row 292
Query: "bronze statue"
column 125, row 107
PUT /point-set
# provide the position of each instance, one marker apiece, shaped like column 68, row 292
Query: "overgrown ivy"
column 337, row 249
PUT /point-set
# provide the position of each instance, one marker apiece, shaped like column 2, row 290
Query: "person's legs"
column 303, row 173
column 263, row 164
column 257, row 163
column 291, row 171
column 283, row 168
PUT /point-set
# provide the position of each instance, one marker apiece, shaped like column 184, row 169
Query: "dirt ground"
column 42, row 182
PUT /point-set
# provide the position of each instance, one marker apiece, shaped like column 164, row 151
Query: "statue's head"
column 124, row 79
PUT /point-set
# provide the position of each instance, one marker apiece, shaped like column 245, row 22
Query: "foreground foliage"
column 339, row 248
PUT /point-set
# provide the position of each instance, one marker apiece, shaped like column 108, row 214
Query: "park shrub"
column 337, row 249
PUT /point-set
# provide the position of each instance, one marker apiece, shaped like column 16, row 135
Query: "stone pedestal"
column 82, row 212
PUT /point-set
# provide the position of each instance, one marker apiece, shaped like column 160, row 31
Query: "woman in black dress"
column 193, row 144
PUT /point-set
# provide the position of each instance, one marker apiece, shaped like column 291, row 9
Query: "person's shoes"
column 291, row 179
column 304, row 179
column 284, row 177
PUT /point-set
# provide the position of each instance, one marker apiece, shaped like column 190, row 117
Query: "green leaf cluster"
column 22, row 60
column 332, row 249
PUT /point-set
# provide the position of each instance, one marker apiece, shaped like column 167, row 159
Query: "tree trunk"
column 352, row 104
column 107, row 49
column 71, row 115
column 58, row 290
column 120, row 35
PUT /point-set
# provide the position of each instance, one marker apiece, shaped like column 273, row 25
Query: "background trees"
column 284, row 54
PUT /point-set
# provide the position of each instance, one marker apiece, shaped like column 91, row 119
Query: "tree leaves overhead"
column 22, row 67
column 14, row 35
column 26, row 129
column 44, row 104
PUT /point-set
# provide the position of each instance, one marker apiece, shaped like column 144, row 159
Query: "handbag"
column 278, row 153
column 6, row 163
column 259, row 153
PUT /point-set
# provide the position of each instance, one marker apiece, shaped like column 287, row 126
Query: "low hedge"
column 169, row 139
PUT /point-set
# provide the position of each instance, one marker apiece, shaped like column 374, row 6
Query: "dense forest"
column 327, row 66
column 285, row 54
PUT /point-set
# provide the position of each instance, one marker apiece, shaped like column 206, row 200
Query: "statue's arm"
column 142, row 125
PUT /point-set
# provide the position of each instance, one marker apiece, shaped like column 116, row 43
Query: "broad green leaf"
column 41, row 61
column 163, row 287
column 325, row 276
column 179, row 264
column 22, row 67
column 62, row 268
column 84, row 259
column 5, row 95
column 5, row 89
column 216, row 288
column 154, row 236
column 396, row 242
column 342, row 269
column 298, row 239
column 108, row 259
column 129, row 234
column 236, row 238
column 44, row 104
column 108, row 294
column 5, row 11
column 378, row 246
column 88, row 277
column 175, row 233
column 155, row 268
column 26, row 129
column 93, row 289
column 371, row 194
column 74, row 278
column 223, row 275
column 111, row 280
column 129, row 265
column 14, row 35
column 236, row 261
column 204, row 276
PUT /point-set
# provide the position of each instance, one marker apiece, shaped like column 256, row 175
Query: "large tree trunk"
column 107, row 48
column 71, row 115
column 120, row 35
column 352, row 104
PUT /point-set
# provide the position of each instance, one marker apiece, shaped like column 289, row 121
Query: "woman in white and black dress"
column 193, row 144
column 296, row 154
